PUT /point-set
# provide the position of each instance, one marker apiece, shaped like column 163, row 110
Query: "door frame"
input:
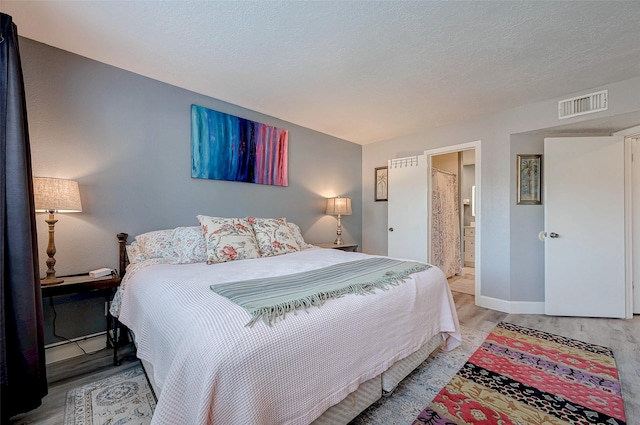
column 628, row 223
column 630, row 172
column 629, row 134
column 476, row 145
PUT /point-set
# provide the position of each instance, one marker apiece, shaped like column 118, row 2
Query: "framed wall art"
column 226, row 147
column 381, row 183
column 529, row 179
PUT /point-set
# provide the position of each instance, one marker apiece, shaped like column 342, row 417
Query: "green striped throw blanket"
column 273, row 297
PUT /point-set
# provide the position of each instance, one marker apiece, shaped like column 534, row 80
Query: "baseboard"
column 515, row 307
column 65, row 350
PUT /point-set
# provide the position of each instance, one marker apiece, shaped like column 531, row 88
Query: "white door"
column 407, row 208
column 584, row 198
column 635, row 187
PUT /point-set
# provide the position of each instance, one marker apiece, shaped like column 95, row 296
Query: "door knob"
column 391, row 229
column 553, row 235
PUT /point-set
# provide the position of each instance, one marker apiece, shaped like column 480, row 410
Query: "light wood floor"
column 465, row 282
column 622, row 336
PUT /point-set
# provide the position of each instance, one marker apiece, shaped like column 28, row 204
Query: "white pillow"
column 228, row 239
column 189, row 245
column 274, row 236
column 297, row 234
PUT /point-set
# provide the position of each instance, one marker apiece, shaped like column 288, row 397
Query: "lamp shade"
column 56, row 195
column 339, row 206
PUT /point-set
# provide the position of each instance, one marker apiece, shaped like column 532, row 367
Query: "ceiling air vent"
column 586, row 104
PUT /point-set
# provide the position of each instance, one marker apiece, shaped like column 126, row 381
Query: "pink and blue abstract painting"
column 225, row 147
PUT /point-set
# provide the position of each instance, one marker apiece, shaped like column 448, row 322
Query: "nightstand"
column 353, row 247
column 106, row 285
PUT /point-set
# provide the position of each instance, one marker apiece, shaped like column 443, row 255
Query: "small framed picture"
column 529, row 179
column 381, row 184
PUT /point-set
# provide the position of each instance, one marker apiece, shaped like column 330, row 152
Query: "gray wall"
column 507, row 230
column 527, row 251
column 126, row 140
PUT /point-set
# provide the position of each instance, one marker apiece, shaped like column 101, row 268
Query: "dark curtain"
column 23, row 374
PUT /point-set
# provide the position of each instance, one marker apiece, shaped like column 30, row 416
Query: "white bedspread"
column 214, row 370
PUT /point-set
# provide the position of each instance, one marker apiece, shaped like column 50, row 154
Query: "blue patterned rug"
column 125, row 398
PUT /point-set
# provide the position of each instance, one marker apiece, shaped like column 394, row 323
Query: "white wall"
column 506, row 233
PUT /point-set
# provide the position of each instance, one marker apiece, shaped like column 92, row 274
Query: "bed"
column 323, row 364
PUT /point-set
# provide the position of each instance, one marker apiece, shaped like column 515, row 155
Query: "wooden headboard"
column 124, row 260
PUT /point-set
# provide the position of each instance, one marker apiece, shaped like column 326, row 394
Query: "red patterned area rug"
column 525, row 376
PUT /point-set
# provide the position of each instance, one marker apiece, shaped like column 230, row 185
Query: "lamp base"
column 338, row 240
column 51, row 278
column 50, row 281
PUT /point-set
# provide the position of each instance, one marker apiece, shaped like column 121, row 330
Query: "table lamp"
column 339, row 206
column 54, row 196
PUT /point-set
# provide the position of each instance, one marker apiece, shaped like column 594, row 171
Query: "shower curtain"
column 445, row 223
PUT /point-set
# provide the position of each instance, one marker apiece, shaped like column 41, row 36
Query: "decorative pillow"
column 189, row 245
column 156, row 244
column 133, row 253
column 274, row 236
column 228, row 239
column 297, row 234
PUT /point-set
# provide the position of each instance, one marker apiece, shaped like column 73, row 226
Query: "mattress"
column 211, row 368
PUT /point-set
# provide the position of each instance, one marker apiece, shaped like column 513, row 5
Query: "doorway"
column 463, row 162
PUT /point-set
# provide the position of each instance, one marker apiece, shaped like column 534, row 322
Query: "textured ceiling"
column 363, row 71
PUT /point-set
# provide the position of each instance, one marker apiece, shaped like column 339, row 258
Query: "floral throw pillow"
column 156, row 244
column 274, row 236
column 133, row 253
column 228, row 239
column 189, row 245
